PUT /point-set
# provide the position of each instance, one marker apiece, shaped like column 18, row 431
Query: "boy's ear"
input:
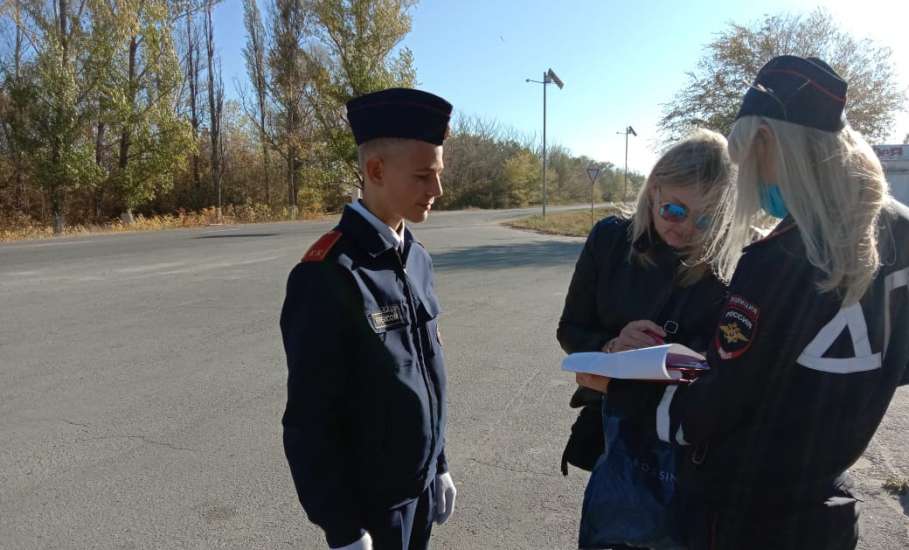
column 375, row 170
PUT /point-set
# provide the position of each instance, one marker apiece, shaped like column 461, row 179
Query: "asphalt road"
column 142, row 384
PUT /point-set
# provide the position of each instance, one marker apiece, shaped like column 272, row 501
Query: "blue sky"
column 619, row 60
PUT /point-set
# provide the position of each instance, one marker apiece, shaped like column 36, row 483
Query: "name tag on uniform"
column 387, row 317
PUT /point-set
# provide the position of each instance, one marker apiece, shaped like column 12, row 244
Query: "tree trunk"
column 265, row 161
column 292, row 181
column 215, row 105
column 192, row 76
column 56, row 193
column 21, row 195
column 19, row 189
column 126, row 133
column 260, row 92
column 99, row 160
column 267, row 177
column 63, row 14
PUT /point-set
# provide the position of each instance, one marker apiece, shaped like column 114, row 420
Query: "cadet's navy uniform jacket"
column 798, row 383
column 364, row 427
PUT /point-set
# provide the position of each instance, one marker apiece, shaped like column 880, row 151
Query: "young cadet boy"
column 364, row 427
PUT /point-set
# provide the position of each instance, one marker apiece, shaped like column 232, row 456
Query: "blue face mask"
column 772, row 200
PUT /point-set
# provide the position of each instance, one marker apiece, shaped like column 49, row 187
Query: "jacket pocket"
column 428, row 316
column 391, row 324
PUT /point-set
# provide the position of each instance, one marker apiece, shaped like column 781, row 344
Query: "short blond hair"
column 381, row 147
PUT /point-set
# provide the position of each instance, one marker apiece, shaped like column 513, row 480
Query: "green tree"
column 215, row 104
column 193, row 87
column 714, row 91
column 521, row 177
column 609, row 183
column 256, row 69
column 15, row 98
column 64, row 79
column 289, row 79
column 142, row 87
column 352, row 52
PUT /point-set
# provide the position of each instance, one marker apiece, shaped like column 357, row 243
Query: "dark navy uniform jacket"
column 798, row 382
column 364, row 426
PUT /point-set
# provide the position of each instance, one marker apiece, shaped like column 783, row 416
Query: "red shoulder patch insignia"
column 738, row 325
column 320, row 249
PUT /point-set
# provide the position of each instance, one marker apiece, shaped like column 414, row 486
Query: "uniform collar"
column 785, row 226
column 387, row 232
column 366, row 234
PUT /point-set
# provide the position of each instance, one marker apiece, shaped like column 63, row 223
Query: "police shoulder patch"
column 738, row 325
column 320, row 249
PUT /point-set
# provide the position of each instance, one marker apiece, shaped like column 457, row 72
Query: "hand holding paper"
column 638, row 334
column 592, row 381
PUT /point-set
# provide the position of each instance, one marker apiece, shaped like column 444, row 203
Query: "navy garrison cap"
column 803, row 91
column 399, row 113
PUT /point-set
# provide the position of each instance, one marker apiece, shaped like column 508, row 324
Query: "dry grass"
column 575, row 223
column 25, row 228
column 897, row 485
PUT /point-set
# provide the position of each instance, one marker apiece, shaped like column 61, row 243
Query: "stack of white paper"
column 639, row 364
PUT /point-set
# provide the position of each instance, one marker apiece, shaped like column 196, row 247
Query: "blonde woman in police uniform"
column 812, row 342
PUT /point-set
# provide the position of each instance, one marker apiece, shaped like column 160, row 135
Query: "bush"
column 16, row 226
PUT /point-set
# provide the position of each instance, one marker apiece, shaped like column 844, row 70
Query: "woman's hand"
column 592, row 381
column 636, row 335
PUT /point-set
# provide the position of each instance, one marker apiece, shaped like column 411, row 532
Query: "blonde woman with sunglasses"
column 646, row 279
column 812, row 342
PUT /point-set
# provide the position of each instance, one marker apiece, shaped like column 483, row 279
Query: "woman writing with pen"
column 648, row 279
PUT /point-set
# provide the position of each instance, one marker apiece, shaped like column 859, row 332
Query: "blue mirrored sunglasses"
column 678, row 213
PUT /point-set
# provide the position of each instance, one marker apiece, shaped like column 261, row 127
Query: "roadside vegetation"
column 575, row 223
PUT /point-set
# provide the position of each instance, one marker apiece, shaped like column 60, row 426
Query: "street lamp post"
column 549, row 77
column 628, row 130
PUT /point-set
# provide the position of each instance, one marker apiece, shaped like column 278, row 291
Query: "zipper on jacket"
column 418, row 341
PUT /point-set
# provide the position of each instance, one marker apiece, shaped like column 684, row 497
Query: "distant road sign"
column 593, row 172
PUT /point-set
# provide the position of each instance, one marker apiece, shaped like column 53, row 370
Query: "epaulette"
column 320, row 249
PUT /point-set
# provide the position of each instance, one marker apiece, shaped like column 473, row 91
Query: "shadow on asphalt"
column 541, row 254
column 236, row 235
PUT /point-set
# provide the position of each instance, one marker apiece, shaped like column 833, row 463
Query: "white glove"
column 445, row 497
column 365, row 543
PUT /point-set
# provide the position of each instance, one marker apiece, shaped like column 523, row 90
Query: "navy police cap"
column 803, row 91
column 399, row 113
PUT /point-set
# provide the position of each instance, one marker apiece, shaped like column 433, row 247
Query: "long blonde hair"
column 700, row 160
column 834, row 189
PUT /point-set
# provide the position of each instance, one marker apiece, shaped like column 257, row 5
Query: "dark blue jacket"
column 798, row 383
column 364, row 426
column 609, row 290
